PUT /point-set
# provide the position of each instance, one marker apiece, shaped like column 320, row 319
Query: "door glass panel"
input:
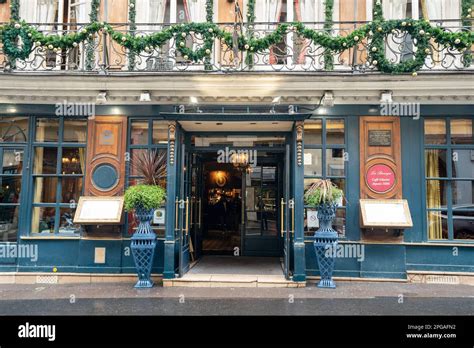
column 335, row 162
column 335, row 131
column 267, row 210
column 313, row 162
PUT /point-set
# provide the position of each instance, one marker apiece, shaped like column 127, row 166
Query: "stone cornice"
column 242, row 88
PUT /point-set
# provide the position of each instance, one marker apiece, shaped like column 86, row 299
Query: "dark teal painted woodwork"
column 413, row 176
column 384, row 261
column 440, row 258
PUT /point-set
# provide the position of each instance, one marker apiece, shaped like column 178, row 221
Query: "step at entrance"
column 230, row 271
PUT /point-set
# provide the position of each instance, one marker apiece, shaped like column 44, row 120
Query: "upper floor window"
column 449, row 172
column 46, row 12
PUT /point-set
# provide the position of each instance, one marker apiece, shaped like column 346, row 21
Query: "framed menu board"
column 388, row 213
column 99, row 210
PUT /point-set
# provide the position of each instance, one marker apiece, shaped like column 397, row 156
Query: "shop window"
column 145, row 137
column 449, row 172
column 13, row 139
column 324, row 158
column 58, row 164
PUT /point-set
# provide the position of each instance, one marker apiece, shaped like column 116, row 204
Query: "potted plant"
column 142, row 199
column 324, row 196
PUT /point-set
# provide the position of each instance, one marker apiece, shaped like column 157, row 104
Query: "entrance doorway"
column 234, row 208
column 239, row 206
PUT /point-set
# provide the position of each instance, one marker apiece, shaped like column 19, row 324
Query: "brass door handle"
column 191, row 212
column 186, row 229
column 292, row 207
column 199, row 212
column 176, row 210
column 282, row 204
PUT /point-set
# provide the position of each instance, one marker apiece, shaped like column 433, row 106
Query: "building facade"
column 361, row 92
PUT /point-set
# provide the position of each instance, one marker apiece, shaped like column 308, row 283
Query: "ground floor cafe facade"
column 252, row 208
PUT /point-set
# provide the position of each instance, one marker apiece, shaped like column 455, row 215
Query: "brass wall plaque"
column 380, row 138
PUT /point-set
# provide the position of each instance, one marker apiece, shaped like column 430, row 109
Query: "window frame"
column 23, row 196
column 449, row 179
column 324, row 146
column 60, row 145
column 148, row 146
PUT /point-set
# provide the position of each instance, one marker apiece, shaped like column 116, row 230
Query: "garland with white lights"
column 374, row 32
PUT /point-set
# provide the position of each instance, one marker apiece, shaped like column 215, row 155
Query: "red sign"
column 380, row 178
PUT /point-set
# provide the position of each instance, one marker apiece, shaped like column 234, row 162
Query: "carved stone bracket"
column 299, row 143
column 172, row 142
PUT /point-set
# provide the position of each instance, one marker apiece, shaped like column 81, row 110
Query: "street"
column 350, row 298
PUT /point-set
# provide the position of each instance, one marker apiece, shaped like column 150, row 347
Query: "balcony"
column 292, row 53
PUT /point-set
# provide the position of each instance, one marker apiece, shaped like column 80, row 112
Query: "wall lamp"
column 101, row 98
column 145, row 97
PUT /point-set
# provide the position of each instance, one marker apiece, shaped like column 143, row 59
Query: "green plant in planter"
column 150, row 192
column 322, row 192
column 143, row 199
column 146, row 197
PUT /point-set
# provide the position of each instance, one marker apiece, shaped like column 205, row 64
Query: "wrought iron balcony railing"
column 101, row 54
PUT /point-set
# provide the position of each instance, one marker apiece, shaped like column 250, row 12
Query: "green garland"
column 9, row 39
column 132, row 16
column 15, row 10
column 249, row 59
column 251, row 12
column 420, row 30
column 466, row 15
column 90, row 52
column 328, row 24
column 208, row 39
column 209, row 11
column 377, row 11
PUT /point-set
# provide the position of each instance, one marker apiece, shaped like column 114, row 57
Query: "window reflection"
column 9, row 216
column 13, row 129
column 47, row 130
